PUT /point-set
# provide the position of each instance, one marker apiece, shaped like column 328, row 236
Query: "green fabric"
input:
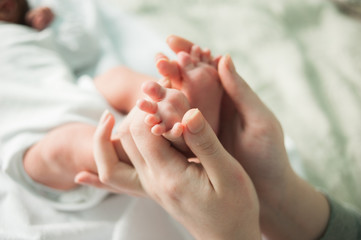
column 344, row 223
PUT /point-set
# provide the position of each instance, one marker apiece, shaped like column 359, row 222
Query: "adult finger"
column 112, row 172
column 178, row 44
column 92, row 179
column 245, row 100
column 203, row 142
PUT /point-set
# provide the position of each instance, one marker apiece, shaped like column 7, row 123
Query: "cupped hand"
column 115, row 171
column 212, row 196
column 250, row 132
column 248, row 129
column 213, row 199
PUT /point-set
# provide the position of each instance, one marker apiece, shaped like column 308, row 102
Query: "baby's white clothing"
column 39, row 92
column 46, row 81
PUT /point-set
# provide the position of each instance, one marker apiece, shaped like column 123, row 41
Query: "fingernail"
column 77, row 180
column 104, row 116
column 195, row 121
column 230, row 64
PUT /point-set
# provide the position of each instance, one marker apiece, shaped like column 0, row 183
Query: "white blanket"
column 44, row 82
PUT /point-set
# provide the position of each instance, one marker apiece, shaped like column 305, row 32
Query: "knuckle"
column 164, row 188
column 172, row 189
column 105, row 177
column 209, row 148
column 123, row 133
column 268, row 128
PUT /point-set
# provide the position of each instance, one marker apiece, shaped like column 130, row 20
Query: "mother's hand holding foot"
column 203, row 197
column 243, row 184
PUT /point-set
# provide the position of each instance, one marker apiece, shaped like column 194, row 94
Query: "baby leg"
column 165, row 109
column 60, row 155
column 121, row 87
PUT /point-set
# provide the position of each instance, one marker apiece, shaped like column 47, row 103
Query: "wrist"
column 252, row 233
column 301, row 212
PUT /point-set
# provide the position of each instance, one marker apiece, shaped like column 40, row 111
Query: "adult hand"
column 115, row 172
column 290, row 208
column 248, row 129
column 213, row 199
column 251, row 133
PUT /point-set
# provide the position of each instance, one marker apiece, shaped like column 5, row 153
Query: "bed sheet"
column 302, row 57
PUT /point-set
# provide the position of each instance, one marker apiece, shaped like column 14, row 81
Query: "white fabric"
column 26, row 217
column 42, row 85
column 38, row 92
column 40, row 73
column 46, row 81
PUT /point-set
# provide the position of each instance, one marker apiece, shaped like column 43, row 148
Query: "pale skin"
column 289, row 207
column 196, row 80
column 18, row 12
column 203, row 197
column 57, row 159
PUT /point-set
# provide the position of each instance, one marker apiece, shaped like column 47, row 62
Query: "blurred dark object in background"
column 349, row 7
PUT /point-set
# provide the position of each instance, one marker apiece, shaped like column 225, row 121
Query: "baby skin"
column 56, row 160
column 18, row 12
column 39, row 18
column 195, row 84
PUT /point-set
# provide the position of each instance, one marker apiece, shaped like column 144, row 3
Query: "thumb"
column 201, row 139
column 246, row 101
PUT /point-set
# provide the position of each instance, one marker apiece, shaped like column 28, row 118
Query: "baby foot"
column 165, row 108
column 195, row 74
column 40, row 18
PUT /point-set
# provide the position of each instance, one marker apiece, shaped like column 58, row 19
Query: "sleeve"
column 344, row 223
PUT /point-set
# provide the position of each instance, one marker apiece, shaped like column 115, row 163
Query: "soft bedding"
column 302, row 57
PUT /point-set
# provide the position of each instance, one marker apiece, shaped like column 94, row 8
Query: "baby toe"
column 147, row 106
column 152, row 119
column 196, row 53
column 185, row 61
column 176, row 131
column 155, row 91
column 158, row 129
column 206, row 56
